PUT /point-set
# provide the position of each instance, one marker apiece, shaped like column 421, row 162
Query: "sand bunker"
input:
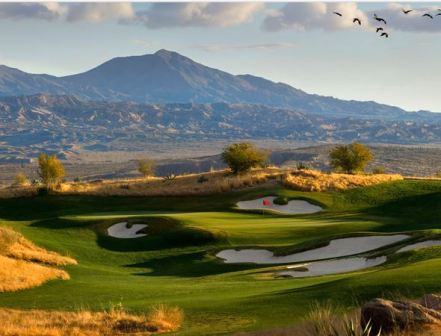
column 427, row 243
column 121, row 230
column 336, row 248
column 294, row 207
column 331, row 267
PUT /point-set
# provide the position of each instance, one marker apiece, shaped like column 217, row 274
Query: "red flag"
column 266, row 202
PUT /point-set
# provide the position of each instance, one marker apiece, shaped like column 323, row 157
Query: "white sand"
column 120, row 230
column 427, row 243
column 335, row 249
column 292, row 208
column 331, row 267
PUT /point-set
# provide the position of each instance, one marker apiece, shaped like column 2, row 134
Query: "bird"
column 379, row 29
column 428, row 15
column 337, row 13
column 379, row 19
column 438, row 14
column 357, row 20
column 385, row 35
column 407, row 11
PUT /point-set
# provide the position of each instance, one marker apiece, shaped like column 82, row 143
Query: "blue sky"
column 301, row 44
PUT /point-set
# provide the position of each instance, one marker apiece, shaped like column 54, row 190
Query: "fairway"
column 172, row 259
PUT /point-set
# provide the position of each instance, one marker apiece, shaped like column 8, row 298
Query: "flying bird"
column 385, row 35
column 379, row 29
column 407, row 11
column 379, row 19
column 438, row 14
column 337, row 13
column 428, row 15
column 357, row 20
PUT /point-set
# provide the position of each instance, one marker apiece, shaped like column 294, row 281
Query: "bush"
column 241, row 157
column 281, row 200
column 350, row 158
column 302, row 166
column 21, row 179
column 202, row 179
column 146, row 167
column 379, row 170
column 51, row 170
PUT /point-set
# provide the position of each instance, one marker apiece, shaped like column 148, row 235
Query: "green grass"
column 175, row 265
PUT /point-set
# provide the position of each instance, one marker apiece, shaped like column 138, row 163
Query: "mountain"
column 168, row 77
column 32, row 124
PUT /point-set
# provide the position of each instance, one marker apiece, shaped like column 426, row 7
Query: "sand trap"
column 336, row 248
column 331, row 267
column 294, row 207
column 427, row 243
column 120, row 230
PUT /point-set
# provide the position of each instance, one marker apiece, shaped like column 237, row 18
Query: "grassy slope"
column 220, row 298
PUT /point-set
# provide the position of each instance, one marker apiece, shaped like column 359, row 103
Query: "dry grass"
column 314, row 180
column 190, row 184
column 25, row 265
column 87, row 323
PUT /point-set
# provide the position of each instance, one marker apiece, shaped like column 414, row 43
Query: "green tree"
column 241, row 157
column 350, row 158
column 50, row 169
column 146, row 167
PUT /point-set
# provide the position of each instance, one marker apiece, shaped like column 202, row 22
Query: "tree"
column 350, row 158
column 241, row 157
column 146, row 167
column 50, row 169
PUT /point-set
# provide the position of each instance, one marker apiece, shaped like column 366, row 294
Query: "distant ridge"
column 168, row 77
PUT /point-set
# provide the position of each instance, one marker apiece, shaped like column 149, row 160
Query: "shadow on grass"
column 194, row 264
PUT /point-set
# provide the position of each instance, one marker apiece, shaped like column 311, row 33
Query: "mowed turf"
column 175, row 263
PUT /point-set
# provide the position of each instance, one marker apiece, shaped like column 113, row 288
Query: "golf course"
column 172, row 258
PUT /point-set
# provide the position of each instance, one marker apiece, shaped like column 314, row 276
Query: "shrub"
column 202, row 179
column 379, row 170
column 350, row 158
column 51, row 170
column 241, row 157
column 302, row 166
column 21, row 179
column 281, row 200
column 146, row 167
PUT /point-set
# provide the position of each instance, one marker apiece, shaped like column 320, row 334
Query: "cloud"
column 197, row 14
column 314, row 15
column 412, row 22
column 32, row 10
column 261, row 46
column 97, row 12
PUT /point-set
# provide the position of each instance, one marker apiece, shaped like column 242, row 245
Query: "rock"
column 392, row 315
column 431, row 301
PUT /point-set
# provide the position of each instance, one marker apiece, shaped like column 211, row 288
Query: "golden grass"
column 25, row 265
column 314, row 180
column 216, row 182
column 87, row 323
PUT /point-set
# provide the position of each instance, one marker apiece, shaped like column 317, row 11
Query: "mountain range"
column 168, row 77
column 129, row 102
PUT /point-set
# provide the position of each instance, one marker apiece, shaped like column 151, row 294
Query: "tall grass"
column 24, row 265
column 116, row 321
column 314, row 180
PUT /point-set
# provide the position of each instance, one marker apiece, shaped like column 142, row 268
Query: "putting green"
column 175, row 262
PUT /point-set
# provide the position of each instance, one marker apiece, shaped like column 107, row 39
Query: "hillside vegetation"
column 24, row 265
column 87, row 323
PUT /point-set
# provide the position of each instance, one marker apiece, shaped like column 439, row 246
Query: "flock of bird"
column 381, row 20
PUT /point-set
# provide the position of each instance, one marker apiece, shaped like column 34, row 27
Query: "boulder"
column 397, row 315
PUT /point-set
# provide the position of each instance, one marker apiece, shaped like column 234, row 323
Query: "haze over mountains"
column 129, row 102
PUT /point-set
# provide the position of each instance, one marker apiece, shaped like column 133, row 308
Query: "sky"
column 302, row 44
